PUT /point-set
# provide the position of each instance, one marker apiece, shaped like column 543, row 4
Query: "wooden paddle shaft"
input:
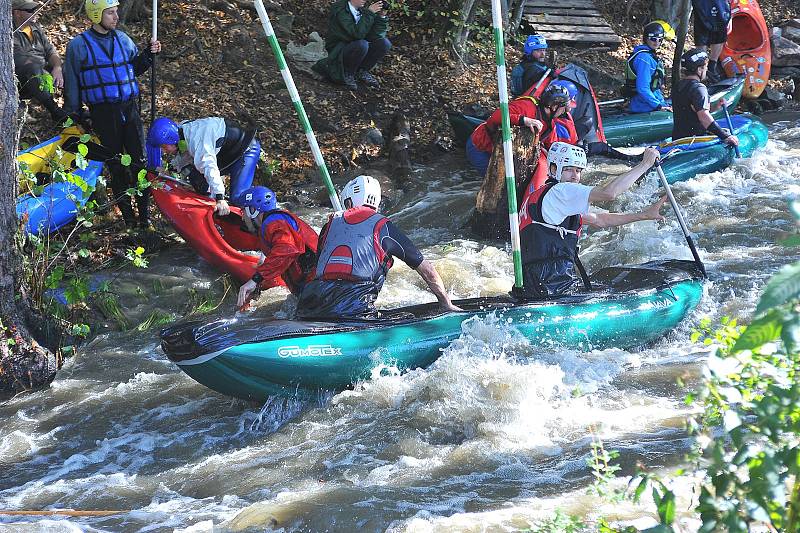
column 62, row 512
column 681, row 221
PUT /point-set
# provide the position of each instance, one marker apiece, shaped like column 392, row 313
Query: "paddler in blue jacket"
column 644, row 73
column 356, row 250
column 100, row 71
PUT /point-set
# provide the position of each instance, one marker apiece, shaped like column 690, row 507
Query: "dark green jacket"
column 342, row 29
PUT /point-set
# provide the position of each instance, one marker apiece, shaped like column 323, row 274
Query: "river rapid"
column 485, row 439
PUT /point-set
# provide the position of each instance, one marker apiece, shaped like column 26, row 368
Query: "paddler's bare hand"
column 244, row 292
column 222, row 208
column 650, row 156
column 732, row 140
column 155, row 46
column 653, row 212
column 533, row 124
column 665, row 108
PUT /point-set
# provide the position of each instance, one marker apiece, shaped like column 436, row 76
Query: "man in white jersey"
column 551, row 218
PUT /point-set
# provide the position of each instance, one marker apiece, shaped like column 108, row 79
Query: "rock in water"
column 785, row 53
column 490, row 217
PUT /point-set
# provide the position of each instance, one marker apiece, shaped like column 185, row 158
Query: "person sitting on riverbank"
column 289, row 244
column 532, row 68
column 35, row 58
column 356, row 41
column 644, row 73
column 204, row 150
column 549, row 115
column 551, row 218
column 711, row 21
column 692, row 116
column 356, row 249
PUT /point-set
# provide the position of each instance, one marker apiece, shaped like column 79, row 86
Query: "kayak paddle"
column 676, row 208
column 730, row 125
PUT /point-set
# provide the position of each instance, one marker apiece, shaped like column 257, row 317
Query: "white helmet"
column 362, row 190
column 565, row 155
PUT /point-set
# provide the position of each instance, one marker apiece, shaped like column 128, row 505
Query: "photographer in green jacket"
column 356, row 42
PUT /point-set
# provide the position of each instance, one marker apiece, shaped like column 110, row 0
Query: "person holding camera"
column 356, row 42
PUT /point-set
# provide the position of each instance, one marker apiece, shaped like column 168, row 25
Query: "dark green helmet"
column 555, row 95
column 694, row 59
column 653, row 30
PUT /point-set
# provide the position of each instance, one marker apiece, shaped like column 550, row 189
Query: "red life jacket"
column 549, row 251
column 531, row 209
column 286, row 237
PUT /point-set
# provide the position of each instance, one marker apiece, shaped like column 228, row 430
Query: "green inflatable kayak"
column 630, row 129
column 621, row 129
column 254, row 359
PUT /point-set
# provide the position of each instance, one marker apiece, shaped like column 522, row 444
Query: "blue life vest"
column 107, row 78
column 351, row 250
column 351, row 268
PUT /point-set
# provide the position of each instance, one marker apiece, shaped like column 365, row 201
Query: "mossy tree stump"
column 490, row 217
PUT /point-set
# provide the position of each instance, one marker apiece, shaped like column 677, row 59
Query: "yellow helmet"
column 95, row 8
column 669, row 31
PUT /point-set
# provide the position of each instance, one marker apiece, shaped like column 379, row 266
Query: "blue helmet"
column 257, row 200
column 534, row 42
column 163, row 131
column 572, row 90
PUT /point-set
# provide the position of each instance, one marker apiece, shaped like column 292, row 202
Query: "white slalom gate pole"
column 508, row 149
column 153, row 67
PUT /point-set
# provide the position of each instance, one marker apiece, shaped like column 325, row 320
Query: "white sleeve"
column 201, row 140
column 565, row 200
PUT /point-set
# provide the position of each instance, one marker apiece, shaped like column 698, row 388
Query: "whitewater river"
column 483, row 440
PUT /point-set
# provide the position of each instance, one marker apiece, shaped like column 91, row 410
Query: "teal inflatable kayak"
column 686, row 158
column 621, row 129
column 254, row 359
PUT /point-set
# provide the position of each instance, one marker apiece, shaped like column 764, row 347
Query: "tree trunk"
column 516, row 20
column 24, row 364
column 668, row 10
column 398, row 147
column 462, row 32
column 133, row 11
column 490, row 218
column 681, row 31
column 505, row 12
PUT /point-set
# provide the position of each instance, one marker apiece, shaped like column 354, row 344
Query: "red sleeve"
column 521, row 107
column 283, row 250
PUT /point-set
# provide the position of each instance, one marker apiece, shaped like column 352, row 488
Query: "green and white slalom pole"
column 508, row 150
column 298, row 105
